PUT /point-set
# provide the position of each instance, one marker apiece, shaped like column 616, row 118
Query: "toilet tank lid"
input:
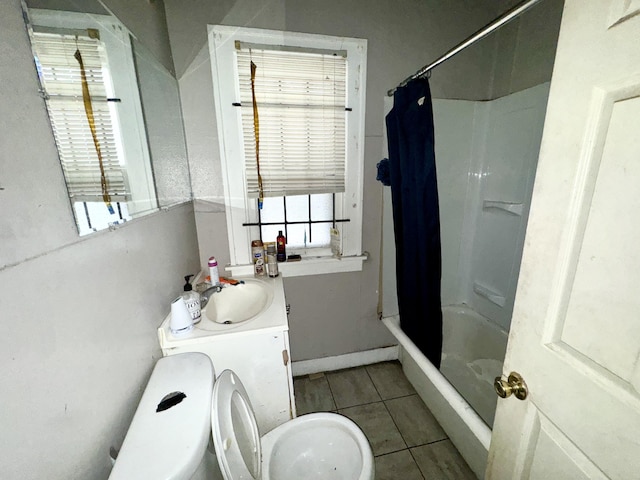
column 170, row 430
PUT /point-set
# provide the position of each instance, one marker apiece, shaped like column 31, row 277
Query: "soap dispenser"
column 191, row 299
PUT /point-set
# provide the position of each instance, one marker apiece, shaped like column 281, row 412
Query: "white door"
column 575, row 335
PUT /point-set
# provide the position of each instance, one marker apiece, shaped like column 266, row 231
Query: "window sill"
column 308, row 266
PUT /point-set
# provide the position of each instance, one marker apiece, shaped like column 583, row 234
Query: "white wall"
column 504, row 173
column 330, row 314
column 77, row 317
column 526, row 47
column 79, row 341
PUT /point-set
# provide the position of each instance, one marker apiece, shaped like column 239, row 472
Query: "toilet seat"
column 234, row 429
column 317, row 446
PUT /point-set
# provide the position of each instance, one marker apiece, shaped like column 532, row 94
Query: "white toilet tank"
column 170, row 431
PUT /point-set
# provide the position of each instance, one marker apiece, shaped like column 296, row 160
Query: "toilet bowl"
column 323, row 446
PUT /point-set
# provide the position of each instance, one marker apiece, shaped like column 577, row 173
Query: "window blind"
column 60, row 77
column 301, row 105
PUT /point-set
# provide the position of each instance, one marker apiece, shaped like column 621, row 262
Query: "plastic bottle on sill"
column 257, row 252
column 272, row 262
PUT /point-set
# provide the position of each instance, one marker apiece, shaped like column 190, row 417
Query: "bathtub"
column 472, row 354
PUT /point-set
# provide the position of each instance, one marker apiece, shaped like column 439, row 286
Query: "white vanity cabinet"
column 257, row 352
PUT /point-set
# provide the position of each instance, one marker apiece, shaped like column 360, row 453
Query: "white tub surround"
column 486, row 154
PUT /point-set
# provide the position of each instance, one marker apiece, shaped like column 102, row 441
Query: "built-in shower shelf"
column 489, row 294
column 507, row 207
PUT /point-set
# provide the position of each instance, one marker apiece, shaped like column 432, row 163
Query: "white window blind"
column 301, row 103
column 60, row 76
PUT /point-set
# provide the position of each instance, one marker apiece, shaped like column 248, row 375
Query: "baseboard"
column 348, row 360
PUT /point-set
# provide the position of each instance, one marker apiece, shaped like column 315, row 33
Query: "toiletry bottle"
column 191, row 299
column 257, row 252
column 272, row 262
column 282, row 249
column 213, row 271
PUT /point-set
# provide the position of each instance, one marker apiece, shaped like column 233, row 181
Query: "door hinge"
column 285, row 357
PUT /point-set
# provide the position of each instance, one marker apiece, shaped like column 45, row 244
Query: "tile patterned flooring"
column 407, row 441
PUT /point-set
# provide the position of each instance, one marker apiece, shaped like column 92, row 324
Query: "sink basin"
column 236, row 304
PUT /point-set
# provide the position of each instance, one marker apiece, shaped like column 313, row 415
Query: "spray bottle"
column 213, row 271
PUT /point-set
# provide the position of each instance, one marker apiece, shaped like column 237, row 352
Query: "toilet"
column 317, row 446
column 183, row 404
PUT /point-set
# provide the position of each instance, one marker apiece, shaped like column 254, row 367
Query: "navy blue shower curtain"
column 416, row 218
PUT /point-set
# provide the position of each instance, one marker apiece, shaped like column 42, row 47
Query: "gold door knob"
column 513, row 385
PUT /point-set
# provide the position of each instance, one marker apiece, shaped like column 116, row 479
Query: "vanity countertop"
column 274, row 317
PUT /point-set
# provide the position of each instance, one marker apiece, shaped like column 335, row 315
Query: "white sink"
column 236, row 304
column 257, row 305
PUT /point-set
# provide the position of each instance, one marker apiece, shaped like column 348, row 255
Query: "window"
column 309, row 110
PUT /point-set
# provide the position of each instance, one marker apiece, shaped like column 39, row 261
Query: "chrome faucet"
column 204, row 296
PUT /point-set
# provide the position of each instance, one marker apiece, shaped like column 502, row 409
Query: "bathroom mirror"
column 114, row 110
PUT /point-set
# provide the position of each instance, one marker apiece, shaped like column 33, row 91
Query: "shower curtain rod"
column 480, row 34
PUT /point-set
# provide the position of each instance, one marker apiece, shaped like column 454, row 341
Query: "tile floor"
column 407, row 441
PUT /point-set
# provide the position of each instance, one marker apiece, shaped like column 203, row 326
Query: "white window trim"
column 308, row 266
column 224, row 71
